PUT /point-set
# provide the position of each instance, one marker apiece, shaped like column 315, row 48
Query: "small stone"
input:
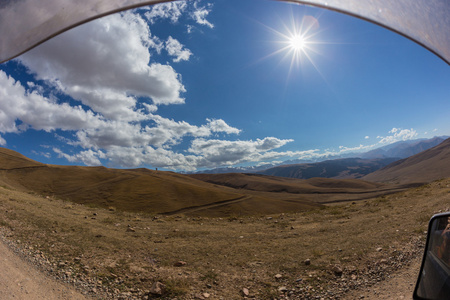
column 245, row 292
column 158, row 288
column 337, row 270
column 206, row 295
column 307, row 262
column 379, row 249
column 278, row 276
column 179, row 263
column 131, row 229
column 282, row 289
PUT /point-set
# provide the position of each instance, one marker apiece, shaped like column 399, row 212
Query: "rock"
column 278, row 276
column 379, row 249
column 131, row 229
column 158, row 288
column 337, row 270
column 282, row 289
column 245, row 292
column 179, row 263
column 206, row 295
column 307, row 262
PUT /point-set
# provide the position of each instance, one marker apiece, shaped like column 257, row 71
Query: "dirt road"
column 399, row 286
column 20, row 280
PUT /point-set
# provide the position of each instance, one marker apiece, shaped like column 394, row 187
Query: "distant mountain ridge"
column 344, row 168
column 383, row 155
column 404, row 149
column 431, row 164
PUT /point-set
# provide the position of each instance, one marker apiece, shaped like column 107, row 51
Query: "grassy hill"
column 429, row 165
column 143, row 190
column 137, row 190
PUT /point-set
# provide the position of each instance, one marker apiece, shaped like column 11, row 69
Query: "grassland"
column 113, row 253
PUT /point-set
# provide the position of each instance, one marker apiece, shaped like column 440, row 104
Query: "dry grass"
column 223, row 255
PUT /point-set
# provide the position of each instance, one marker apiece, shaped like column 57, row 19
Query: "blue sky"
column 196, row 85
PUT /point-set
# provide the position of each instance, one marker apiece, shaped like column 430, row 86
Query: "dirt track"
column 20, row 280
column 399, row 286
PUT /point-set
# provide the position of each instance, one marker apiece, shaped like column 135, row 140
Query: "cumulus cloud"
column 106, row 64
column 39, row 112
column 398, row 134
column 176, row 49
column 88, row 157
column 219, row 125
column 171, row 11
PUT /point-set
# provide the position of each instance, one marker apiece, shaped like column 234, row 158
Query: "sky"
column 195, row 85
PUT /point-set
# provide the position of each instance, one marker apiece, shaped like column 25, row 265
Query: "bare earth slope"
column 429, row 165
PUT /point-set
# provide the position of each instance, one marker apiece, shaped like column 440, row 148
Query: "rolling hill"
column 160, row 192
column 429, row 165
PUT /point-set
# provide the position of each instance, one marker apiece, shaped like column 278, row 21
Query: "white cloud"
column 366, row 137
column 398, row 134
column 201, row 13
column 176, row 49
column 39, row 112
column 171, row 11
column 88, row 157
column 219, row 125
column 105, row 64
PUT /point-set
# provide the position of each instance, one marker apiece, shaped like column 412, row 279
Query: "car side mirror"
column 434, row 277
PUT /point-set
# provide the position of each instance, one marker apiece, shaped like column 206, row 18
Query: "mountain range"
column 359, row 164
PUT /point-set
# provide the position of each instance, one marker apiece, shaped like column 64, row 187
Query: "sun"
column 297, row 42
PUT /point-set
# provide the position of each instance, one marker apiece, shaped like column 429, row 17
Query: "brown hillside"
column 266, row 183
column 429, row 165
column 138, row 190
column 10, row 159
column 159, row 192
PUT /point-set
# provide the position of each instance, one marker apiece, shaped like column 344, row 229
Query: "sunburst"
column 299, row 40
